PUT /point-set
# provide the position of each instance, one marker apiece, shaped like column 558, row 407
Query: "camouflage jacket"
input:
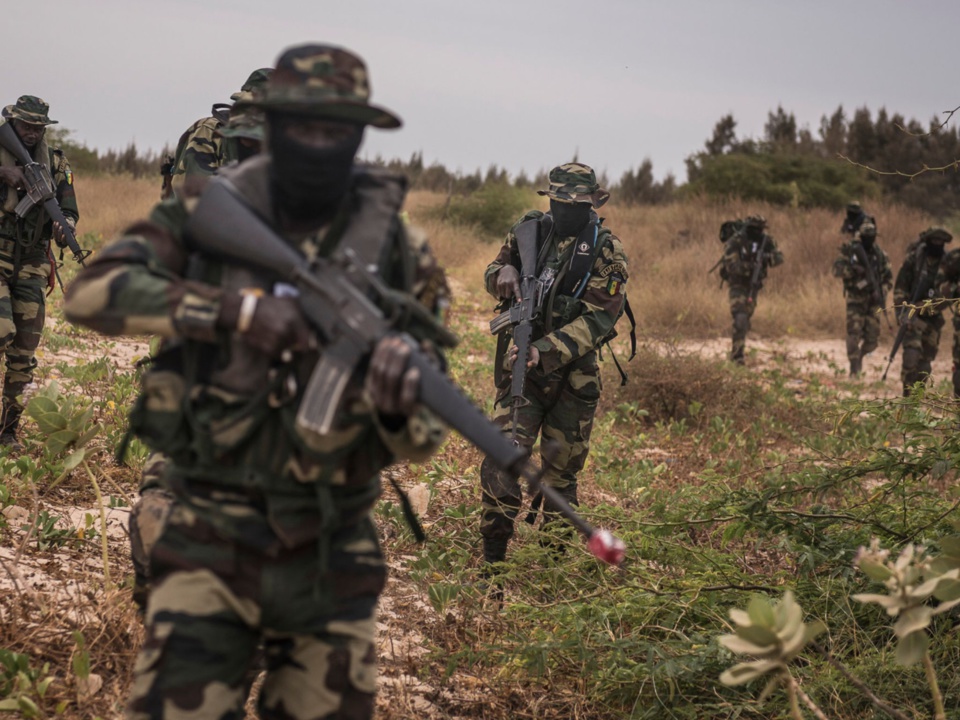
column 225, row 413
column 948, row 276
column 36, row 230
column 200, row 151
column 740, row 258
column 850, row 268
column 917, row 281
column 573, row 326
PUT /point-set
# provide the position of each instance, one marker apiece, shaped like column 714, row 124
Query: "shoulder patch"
column 614, row 267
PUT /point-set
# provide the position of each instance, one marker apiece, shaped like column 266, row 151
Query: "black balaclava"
column 754, row 233
column 867, row 241
column 569, row 218
column 246, row 150
column 935, row 250
column 309, row 182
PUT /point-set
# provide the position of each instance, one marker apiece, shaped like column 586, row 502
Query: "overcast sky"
column 518, row 83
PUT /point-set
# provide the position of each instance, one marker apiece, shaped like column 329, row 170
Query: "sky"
column 521, row 84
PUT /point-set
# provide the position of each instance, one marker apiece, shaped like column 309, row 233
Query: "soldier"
column 202, row 147
column 948, row 288
column 26, row 260
column 913, row 292
column 585, row 271
column 865, row 270
column 855, row 218
column 746, row 257
column 271, row 536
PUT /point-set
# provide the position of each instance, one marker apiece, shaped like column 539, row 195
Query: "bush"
column 494, row 208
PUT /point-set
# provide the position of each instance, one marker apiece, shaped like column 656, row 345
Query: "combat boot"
column 490, row 583
column 9, row 422
column 856, row 366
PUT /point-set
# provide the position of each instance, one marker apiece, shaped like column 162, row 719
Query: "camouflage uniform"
column 271, row 536
column 203, row 147
column 864, row 302
column 914, row 298
column 26, row 270
column 150, row 512
column 948, row 288
column 562, row 392
column 737, row 266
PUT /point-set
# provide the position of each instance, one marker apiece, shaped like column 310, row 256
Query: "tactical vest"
column 225, row 414
column 34, row 232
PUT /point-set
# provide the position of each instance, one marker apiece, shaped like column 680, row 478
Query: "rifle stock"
column 40, row 189
column 335, row 298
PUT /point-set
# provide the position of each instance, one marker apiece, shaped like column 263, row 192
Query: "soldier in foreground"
column 581, row 270
column 746, row 257
column 26, row 261
column 203, row 148
column 271, row 535
column 866, row 274
column 920, row 318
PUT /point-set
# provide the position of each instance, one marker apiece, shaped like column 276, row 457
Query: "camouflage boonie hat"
column 575, row 182
column 243, row 123
column 936, row 235
column 254, row 84
column 322, row 81
column 29, row 109
column 755, row 221
column 868, row 229
column 854, row 206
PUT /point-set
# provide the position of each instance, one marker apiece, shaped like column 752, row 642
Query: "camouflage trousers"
column 561, row 409
column 214, row 601
column 863, row 329
column 920, row 344
column 22, row 314
column 147, row 520
column 742, row 310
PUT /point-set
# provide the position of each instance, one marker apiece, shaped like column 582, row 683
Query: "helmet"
column 868, row 229
column 755, row 221
column 853, row 207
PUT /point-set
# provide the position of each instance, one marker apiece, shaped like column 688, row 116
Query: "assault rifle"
column 755, row 277
column 521, row 315
column 351, row 309
column 905, row 312
column 40, row 189
column 877, row 296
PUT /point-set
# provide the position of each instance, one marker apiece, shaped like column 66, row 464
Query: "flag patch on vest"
column 69, row 176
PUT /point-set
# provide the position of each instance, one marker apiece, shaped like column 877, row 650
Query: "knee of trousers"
column 741, row 322
column 498, row 485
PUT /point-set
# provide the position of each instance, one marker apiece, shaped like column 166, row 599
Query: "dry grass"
column 670, row 249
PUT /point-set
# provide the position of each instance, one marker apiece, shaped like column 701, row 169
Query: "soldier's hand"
column 59, row 236
column 532, row 361
column 393, row 387
column 269, row 324
column 508, row 282
column 13, row 176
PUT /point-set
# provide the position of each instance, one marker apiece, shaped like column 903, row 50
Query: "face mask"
column 246, row 150
column 935, row 250
column 867, row 242
column 755, row 233
column 309, row 182
column 569, row 218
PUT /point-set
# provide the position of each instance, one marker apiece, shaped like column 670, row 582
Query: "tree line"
column 864, row 156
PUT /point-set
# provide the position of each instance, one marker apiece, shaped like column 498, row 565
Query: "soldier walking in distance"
column 746, row 257
column 583, row 272
column 914, row 293
column 866, row 274
column 271, row 537
column 948, row 288
column 26, row 259
column 854, row 218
